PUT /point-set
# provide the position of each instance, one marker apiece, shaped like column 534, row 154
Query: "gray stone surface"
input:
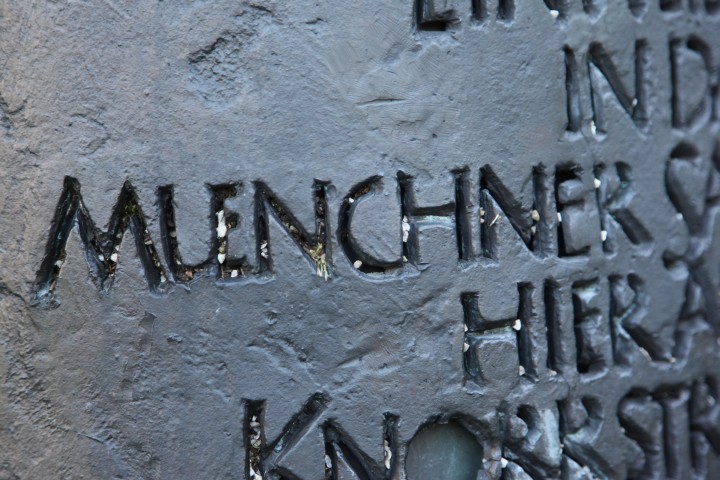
column 298, row 335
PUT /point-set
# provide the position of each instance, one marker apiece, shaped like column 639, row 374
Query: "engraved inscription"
column 675, row 430
column 562, row 220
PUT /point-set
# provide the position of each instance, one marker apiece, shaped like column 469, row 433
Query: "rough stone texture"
column 610, row 318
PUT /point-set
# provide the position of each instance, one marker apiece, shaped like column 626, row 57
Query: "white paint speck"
column 466, row 347
column 603, row 235
column 222, row 227
column 114, row 257
column 357, row 263
column 221, row 258
column 559, row 217
column 351, row 200
column 521, row 370
column 503, row 462
column 388, row 454
column 679, row 216
column 233, row 274
column 59, row 264
column 596, row 182
column 405, row 229
column 101, row 257
column 554, row 13
column 497, row 217
column 535, row 215
column 328, row 462
column 634, row 102
column 593, row 128
column 517, row 326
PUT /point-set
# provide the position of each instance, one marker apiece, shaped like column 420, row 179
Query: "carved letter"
column 316, row 248
column 101, row 248
column 364, row 262
column 221, row 222
column 688, row 113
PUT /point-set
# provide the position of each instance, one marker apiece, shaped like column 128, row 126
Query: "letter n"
column 602, row 70
column 316, row 247
column 343, row 454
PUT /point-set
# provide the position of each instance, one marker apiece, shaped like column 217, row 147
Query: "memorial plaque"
column 410, row 239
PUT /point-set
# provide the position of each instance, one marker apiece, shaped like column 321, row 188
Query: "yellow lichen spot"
column 318, row 256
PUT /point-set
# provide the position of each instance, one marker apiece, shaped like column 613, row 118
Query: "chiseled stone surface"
column 335, row 225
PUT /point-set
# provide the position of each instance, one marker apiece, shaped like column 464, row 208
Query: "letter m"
column 101, row 248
